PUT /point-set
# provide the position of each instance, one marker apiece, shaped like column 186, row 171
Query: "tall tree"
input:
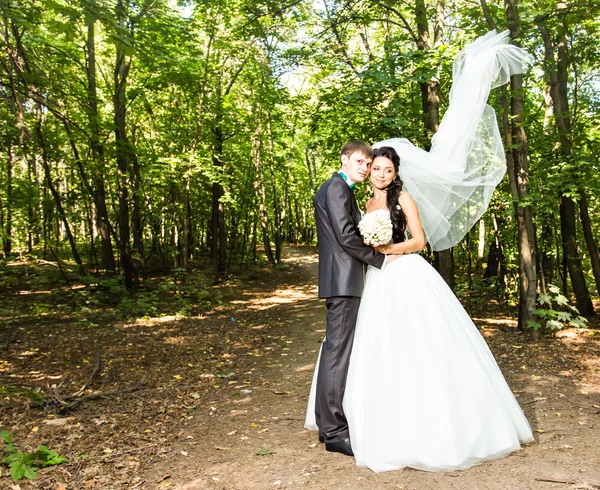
column 557, row 67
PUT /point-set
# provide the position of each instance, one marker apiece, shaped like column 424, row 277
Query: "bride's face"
column 382, row 172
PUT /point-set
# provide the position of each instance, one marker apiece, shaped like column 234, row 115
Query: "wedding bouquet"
column 376, row 229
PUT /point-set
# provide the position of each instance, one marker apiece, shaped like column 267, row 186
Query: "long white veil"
column 452, row 184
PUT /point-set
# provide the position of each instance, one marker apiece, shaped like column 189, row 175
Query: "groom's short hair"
column 357, row 146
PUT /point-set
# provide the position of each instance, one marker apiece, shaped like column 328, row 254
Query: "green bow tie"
column 345, row 177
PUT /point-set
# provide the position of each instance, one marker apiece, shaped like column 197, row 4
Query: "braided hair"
column 392, row 193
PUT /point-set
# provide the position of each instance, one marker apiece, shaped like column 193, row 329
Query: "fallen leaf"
column 222, row 448
column 63, row 421
column 184, row 453
column 283, row 392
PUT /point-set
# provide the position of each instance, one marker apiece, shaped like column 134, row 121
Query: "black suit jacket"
column 342, row 253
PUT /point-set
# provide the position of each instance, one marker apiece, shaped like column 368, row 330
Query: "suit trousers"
column 333, row 368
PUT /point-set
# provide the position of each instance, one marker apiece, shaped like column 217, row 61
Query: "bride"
column 423, row 389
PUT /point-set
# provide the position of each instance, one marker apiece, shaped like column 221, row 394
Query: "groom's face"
column 356, row 166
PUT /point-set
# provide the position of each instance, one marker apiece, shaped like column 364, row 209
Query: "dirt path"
column 254, row 439
column 217, row 400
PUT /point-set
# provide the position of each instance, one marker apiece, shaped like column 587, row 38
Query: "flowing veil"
column 452, row 184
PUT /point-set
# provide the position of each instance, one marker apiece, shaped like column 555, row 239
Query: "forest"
column 159, row 160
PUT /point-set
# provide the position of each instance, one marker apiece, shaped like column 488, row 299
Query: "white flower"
column 376, row 229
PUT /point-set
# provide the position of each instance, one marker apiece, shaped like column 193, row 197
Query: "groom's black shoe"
column 343, row 447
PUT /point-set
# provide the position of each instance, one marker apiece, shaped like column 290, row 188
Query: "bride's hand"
column 383, row 249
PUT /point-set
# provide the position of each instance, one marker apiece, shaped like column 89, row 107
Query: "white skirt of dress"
column 423, row 388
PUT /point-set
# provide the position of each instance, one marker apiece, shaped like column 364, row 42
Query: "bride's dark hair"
column 392, row 192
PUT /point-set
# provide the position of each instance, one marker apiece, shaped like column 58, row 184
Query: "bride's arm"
column 417, row 241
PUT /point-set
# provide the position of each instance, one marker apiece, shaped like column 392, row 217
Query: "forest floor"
column 216, row 399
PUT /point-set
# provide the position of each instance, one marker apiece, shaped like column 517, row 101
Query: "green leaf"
column 579, row 322
column 562, row 300
column 49, row 457
column 17, row 471
column 564, row 316
column 554, row 325
column 544, row 299
column 30, row 472
column 6, row 437
column 534, row 325
column 13, row 456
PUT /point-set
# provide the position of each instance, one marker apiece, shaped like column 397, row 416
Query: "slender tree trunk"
column 278, row 214
column 218, row 240
column 518, row 174
column 558, row 74
column 187, row 224
column 57, row 199
column 546, row 250
column 524, row 214
column 588, row 234
column 99, row 191
column 123, row 148
column 259, row 188
column 31, row 202
column 136, row 215
column 7, row 228
column 430, row 97
column 480, row 245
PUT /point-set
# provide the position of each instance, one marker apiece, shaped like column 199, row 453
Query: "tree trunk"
column 99, row 192
column 558, row 74
column 518, row 170
column 518, row 175
column 568, row 229
column 122, row 155
column 7, row 228
column 218, row 240
column 278, row 214
column 546, row 250
column 57, row 200
column 430, row 98
column 136, row 215
column 480, row 245
column 588, row 234
column 259, row 188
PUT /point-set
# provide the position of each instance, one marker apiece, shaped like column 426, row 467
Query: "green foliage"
column 556, row 312
column 35, row 396
column 264, row 452
column 25, row 465
column 253, row 100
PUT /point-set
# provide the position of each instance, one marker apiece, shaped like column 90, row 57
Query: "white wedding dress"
column 423, row 389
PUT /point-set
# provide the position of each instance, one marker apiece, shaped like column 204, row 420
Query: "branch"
column 67, row 405
column 403, row 19
column 340, row 43
column 488, row 15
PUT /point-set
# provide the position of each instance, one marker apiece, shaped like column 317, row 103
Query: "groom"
column 342, row 259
